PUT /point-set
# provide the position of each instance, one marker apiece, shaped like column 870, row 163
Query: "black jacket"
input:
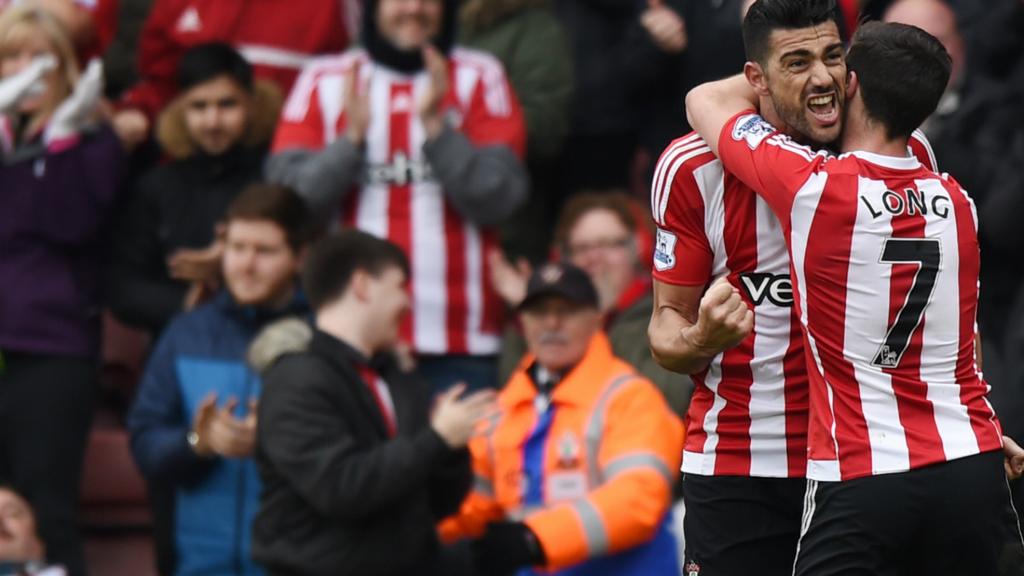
column 339, row 496
column 175, row 206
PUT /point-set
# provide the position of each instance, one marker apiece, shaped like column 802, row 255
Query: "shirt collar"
column 893, row 162
column 577, row 386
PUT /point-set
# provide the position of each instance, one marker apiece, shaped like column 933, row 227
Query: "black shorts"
column 741, row 526
column 951, row 519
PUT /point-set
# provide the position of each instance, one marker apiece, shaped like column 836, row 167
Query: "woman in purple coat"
column 59, row 173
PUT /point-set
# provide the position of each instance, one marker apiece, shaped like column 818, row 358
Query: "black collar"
column 336, row 348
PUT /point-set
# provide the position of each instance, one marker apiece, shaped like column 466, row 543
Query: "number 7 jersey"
column 885, row 262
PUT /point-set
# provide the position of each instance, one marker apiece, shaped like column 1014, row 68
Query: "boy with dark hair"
column 216, row 131
column 904, row 458
column 193, row 424
column 357, row 470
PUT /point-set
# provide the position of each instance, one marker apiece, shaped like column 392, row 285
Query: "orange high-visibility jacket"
column 591, row 473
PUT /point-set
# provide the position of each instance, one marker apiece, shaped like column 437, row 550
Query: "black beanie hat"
column 382, row 51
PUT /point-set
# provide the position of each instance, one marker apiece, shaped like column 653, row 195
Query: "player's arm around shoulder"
column 710, row 106
column 690, row 327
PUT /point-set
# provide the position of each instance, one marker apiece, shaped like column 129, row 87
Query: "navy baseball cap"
column 560, row 279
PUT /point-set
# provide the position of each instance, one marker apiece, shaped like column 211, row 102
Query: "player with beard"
column 724, row 306
column 905, row 464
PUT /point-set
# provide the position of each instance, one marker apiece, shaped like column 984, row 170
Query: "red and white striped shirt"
column 885, row 271
column 748, row 414
column 455, row 309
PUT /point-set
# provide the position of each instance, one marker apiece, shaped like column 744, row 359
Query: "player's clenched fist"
column 724, row 319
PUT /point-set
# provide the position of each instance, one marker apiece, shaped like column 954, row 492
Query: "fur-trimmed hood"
column 173, row 136
column 286, row 336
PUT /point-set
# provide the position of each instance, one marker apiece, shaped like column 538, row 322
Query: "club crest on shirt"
column 568, row 451
column 752, row 128
column 692, row 568
column 551, row 273
column 189, row 21
column 664, row 251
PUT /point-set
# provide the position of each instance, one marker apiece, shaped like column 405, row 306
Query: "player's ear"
column 852, row 85
column 361, row 285
column 756, row 77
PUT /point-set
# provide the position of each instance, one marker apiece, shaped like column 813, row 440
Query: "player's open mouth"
column 824, row 108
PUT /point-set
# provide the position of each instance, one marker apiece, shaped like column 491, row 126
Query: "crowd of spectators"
column 170, row 162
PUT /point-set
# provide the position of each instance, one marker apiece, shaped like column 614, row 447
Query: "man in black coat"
column 356, row 471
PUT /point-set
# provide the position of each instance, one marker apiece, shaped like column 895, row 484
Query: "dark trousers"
column 46, row 407
column 950, row 519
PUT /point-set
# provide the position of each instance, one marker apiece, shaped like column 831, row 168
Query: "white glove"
column 76, row 111
column 14, row 89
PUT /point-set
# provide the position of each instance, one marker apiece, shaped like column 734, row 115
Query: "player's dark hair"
column 205, row 62
column 277, row 204
column 903, row 72
column 333, row 261
column 766, row 16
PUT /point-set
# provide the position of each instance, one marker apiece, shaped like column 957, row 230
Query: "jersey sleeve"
column 767, row 160
column 481, row 505
column 495, row 115
column 919, row 147
column 158, row 54
column 301, row 124
column 682, row 251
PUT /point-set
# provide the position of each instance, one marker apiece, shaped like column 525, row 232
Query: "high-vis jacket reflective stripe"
column 590, row 472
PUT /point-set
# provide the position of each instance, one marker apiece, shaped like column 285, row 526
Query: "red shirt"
column 749, row 411
column 278, row 37
column 381, row 397
column 455, row 309
column 885, row 271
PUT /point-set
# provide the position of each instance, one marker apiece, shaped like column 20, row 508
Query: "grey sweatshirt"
column 485, row 184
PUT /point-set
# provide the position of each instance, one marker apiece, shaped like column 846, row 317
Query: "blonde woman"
column 58, row 178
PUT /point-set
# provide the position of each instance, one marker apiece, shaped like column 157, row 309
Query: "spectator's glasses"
column 605, row 245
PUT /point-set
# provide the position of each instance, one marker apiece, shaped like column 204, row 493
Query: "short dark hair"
column 278, row 204
column 903, row 72
column 332, row 261
column 204, row 62
column 766, row 16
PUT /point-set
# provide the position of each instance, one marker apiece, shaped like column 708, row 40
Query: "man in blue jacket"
column 193, row 425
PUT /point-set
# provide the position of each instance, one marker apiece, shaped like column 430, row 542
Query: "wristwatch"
column 193, row 439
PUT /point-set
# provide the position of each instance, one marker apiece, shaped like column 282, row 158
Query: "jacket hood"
column 382, row 51
column 480, row 15
column 173, row 136
column 286, row 336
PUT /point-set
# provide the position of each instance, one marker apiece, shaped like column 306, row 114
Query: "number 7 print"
column 928, row 255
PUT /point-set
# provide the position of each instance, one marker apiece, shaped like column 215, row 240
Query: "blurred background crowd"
column 124, row 188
